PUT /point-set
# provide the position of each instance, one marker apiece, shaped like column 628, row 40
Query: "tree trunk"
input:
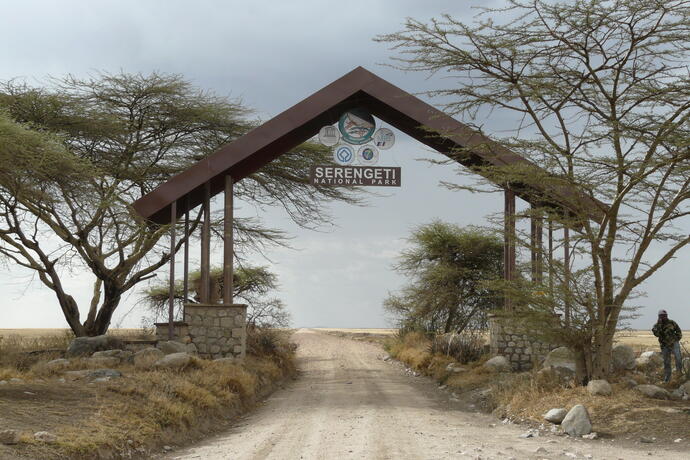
column 111, row 299
column 601, row 359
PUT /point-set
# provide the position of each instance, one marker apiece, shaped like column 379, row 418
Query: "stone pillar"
column 180, row 331
column 508, row 338
column 218, row 330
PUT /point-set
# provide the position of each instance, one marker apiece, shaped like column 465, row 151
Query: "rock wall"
column 509, row 339
column 217, row 330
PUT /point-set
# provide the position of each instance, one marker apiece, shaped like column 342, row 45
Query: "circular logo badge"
column 367, row 155
column 329, row 136
column 356, row 126
column 343, row 155
column 384, row 139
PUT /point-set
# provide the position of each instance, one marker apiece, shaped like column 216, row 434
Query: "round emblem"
column 356, row 126
column 384, row 139
column 367, row 155
column 329, row 136
column 343, row 155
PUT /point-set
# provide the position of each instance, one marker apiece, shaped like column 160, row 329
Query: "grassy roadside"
column 525, row 397
column 139, row 413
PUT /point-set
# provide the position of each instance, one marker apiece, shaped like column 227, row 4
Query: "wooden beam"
column 551, row 275
column 536, row 243
column 566, row 274
column 171, row 288
column 185, row 279
column 228, row 243
column 509, row 242
column 205, row 287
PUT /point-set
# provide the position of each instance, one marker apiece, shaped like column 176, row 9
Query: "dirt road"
column 350, row 404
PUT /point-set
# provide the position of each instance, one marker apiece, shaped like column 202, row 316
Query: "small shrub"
column 464, row 347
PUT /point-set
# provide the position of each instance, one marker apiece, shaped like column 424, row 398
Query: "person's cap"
column 662, row 312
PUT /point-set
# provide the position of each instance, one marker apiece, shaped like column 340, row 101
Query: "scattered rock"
column 84, row 346
column 577, row 421
column 622, row 357
column 541, row 450
column 191, row 348
column 561, row 375
column 387, row 358
column 45, row 436
column 648, row 361
column 528, row 434
column 122, row 355
column 9, row 436
column 104, row 373
column 16, row 380
column 647, row 440
column 102, row 361
column 169, row 347
column 599, row 388
column 630, row 383
column 555, row 415
column 3, row 382
column 676, row 395
column 591, row 435
column 147, row 357
column 76, row 375
column 174, row 361
column 653, row 391
column 167, row 448
column 560, row 357
column 498, row 364
column 56, row 365
column 685, row 387
column 455, row 368
column 677, row 440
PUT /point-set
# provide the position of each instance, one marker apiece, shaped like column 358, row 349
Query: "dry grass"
column 643, row 340
column 413, row 349
column 140, row 411
column 626, row 413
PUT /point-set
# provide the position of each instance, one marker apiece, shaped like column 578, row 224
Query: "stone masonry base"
column 217, row 330
column 508, row 339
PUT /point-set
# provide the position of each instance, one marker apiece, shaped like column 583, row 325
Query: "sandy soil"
column 349, row 403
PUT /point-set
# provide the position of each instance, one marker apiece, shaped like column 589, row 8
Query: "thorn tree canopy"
column 602, row 89
column 77, row 152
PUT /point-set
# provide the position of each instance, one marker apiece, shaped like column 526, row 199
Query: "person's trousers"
column 666, row 354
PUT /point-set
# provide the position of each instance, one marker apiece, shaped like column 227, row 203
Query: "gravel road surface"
column 350, row 404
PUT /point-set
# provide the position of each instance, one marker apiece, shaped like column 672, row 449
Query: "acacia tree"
column 252, row 285
column 602, row 95
column 119, row 136
column 449, row 268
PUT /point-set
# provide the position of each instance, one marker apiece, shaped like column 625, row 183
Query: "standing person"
column 669, row 335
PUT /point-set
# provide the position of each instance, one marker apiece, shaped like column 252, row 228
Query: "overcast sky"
column 271, row 55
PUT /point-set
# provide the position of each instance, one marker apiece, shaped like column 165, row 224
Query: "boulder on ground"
column 560, row 375
column 147, row 357
column 498, row 364
column 122, row 355
column 76, row 375
column 676, row 395
column 174, row 361
column 191, row 348
column 169, row 347
column 45, row 436
column 577, row 421
column 84, row 346
column 653, row 391
column 555, row 415
column 630, row 383
column 455, row 368
column 104, row 373
column 102, row 361
column 56, row 365
column 560, row 357
column 622, row 357
column 649, row 361
column 9, row 436
column 599, row 388
column 685, row 387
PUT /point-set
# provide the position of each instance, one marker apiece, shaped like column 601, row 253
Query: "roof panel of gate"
column 358, row 88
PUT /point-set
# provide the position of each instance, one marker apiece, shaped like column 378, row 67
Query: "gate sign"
column 356, row 126
column 355, row 175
